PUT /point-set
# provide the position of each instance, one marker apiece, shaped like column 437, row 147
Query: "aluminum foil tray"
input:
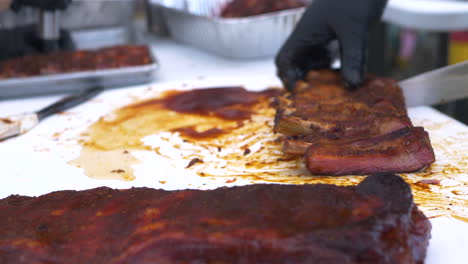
column 198, row 23
column 68, row 82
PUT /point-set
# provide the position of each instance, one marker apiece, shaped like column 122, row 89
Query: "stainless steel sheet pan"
column 69, row 82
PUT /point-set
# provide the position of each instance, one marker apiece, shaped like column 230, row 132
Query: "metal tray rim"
column 21, row 87
column 198, row 26
column 78, row 75
column 83, row 74
column 236, row 20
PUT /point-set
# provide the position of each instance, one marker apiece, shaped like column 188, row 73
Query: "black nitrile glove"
column 41, row 4
column 348, row 21
column 21, row 41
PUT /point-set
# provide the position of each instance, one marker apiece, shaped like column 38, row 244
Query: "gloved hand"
column 348, row 21
column 41, row 4
column 21, row 41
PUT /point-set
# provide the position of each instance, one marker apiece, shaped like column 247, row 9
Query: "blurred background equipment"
column 49, row 29
column 421, row 35
column 93, row 24
column 101, row 31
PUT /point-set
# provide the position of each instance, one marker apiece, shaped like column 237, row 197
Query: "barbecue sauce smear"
column 227, row 133
column 208, row 116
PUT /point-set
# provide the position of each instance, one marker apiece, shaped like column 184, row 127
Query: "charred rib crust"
column 375, row 222
column 345, row 132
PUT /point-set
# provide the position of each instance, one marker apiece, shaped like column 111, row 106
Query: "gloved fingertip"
column 353, row 78
column 353, row 58
column 15, row 6
column 353, row 66
column 289, row 77
column 289, row 85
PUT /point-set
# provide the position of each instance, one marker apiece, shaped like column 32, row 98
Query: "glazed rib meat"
column 322, row 105
column 373, row 222
column 342, row 132
column 407, row 149
column 75, row 61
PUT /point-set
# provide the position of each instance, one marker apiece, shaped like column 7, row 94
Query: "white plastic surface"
column 431, row 15
column 36, row 163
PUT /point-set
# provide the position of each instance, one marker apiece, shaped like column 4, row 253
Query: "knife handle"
column 69, row 102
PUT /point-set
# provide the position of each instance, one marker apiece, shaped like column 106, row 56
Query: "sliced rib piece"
column 324, row 106
column 373, row 222
column 404, row 150
column 324, row 121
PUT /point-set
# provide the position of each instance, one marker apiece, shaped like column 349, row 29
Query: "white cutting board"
column 36, row 163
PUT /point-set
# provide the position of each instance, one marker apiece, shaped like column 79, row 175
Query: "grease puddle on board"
column 228, row 134
column 198, row 115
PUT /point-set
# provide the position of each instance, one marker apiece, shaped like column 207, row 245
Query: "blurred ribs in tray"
column 245, row 8
column 75, row 61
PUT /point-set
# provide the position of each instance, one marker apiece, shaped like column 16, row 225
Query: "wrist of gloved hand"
column 324, row 21
column 22, row 41
column 49, row 5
